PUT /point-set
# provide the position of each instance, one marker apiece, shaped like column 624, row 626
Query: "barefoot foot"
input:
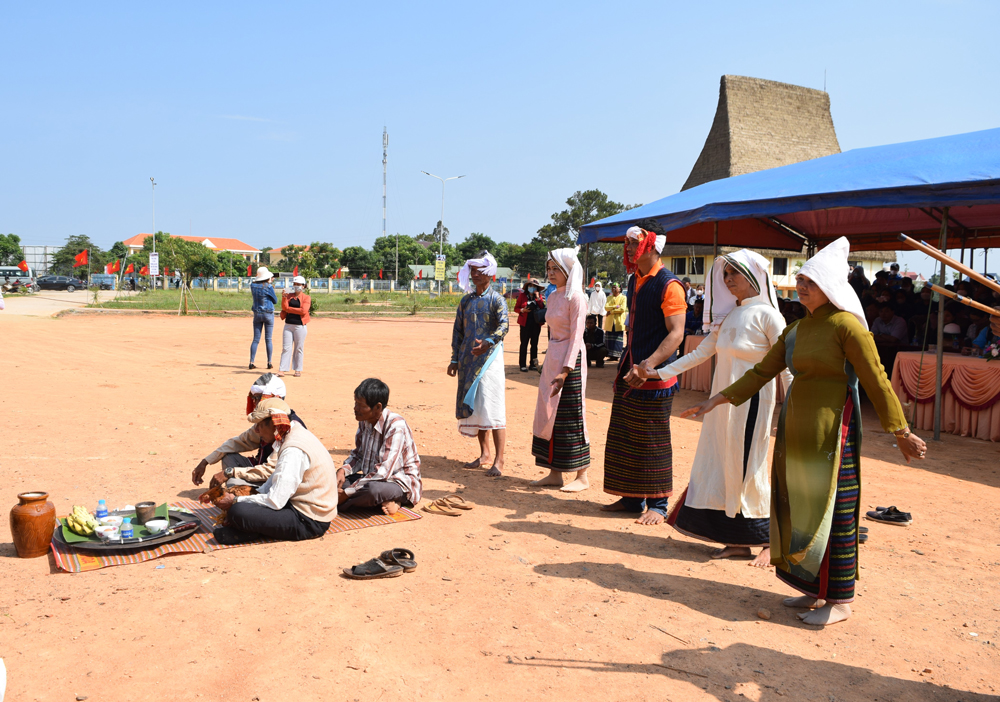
column 494, row 472
column 732, row 552
column 763, row 559
column 619, row 506
column 826, row 615
column 553, row 478
column 803, row 602
column 390, row 508
column 650, row 517
column 578, row 485
column 477, row 463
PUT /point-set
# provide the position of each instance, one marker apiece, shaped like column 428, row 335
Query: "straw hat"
column 263, row 274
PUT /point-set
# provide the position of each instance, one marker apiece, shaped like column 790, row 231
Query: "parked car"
column 60, row 282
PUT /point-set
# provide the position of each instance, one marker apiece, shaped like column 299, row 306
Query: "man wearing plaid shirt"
column 384, row 468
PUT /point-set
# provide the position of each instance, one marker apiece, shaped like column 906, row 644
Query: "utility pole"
column 153, row 284
column 385, row 161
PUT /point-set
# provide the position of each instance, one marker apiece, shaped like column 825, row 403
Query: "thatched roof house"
column 762, row 124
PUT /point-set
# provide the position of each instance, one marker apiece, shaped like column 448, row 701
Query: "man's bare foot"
column 803, row 602
column 578, row 485
column 650, row 517
column 826, row 615
column 390, row 508
column 553, row 478
column 494, row 471
column 763, row 559
column 477, row 463
column 619, row 506
column 733, row 552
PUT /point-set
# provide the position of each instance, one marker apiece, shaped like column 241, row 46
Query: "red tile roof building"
column 235, row 246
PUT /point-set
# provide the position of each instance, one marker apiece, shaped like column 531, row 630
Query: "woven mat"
column 74, row 560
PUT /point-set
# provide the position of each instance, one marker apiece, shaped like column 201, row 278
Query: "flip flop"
column 455, row 502
column 373, row 570
column 436, row 507
column 862, row 537
column 890, row 516
column 402, row 557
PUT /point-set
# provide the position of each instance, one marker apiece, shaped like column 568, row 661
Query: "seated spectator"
column 859, row 281
column 238, row 469
column 888, row 328
column 384, row 465
column 987, row 335
column 593, row 339
column 952, row 337
column 299, row 499
column 894, row 278
column 977, row 322
column 694, row 319
column 871, row 313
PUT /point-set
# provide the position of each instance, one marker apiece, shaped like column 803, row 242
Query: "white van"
column 8, row 274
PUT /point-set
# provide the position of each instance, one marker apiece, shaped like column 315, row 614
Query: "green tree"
column 533, row 257
column 10, row 250
column 231, row 264
column 63, row 259
column 326, row 258
column 360, row 261
column 117, row 250
column 191, row 258
column 291, row 257
column 508, row 255
column 474, row 244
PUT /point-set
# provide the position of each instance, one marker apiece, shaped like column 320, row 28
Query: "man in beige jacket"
column 238, row 469
column 299, row 500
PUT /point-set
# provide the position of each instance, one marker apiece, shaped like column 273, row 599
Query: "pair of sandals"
column 389, row 564
column 448, row 506
column 890, row 515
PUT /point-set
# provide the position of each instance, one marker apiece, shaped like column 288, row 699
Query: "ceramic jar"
column 32, row 522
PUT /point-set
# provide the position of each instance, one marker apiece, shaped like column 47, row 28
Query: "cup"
column 144, row 512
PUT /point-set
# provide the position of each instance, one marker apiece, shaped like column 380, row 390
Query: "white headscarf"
column 829, row 270
column 639, row 233
column 569, row 263
column 487, row 263
column 719, row 302
column 271, row 385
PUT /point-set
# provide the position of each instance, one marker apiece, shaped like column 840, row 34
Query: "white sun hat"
column 263, row 274
column 298, row 280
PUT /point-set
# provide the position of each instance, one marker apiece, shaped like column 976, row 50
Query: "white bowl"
column 155, row 526
column 107, row 532
column 111, row 520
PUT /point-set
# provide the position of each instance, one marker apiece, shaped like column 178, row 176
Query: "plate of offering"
column 173, row 526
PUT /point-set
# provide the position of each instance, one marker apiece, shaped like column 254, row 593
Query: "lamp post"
column 153, row 182
column 441, row 235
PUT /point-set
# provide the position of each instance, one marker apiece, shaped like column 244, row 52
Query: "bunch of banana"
column 81, row 522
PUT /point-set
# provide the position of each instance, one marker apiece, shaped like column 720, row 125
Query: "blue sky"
column 263, row 121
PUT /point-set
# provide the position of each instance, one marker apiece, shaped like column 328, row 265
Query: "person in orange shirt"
column 638, row 461
column 295, row 306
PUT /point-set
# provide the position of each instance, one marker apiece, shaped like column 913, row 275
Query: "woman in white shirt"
column 598, row 299
column 727, row 500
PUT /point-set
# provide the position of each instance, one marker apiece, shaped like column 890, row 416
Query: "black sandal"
column 402, row 557
column 373, row 570
column 890, row 516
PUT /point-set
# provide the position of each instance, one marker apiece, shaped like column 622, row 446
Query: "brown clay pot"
column 32, row 523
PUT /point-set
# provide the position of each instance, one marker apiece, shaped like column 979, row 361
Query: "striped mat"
column 76, row 561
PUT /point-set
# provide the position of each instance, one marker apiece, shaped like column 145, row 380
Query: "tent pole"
column 586, row 265
column 940, row 333
column 715, row 255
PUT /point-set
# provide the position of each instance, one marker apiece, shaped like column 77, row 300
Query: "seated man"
column 299, row 499
column 890, row 332
column 384, row 465
column 593, row 339
column 244, row 470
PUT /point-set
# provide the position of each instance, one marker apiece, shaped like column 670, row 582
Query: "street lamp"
column 153, row 283
column 441, row 236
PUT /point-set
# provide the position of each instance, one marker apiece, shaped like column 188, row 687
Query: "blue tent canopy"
column 869, row 195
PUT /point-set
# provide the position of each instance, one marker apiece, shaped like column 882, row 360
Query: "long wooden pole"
column 940, row 329
column 948, row 260
column 963, row 299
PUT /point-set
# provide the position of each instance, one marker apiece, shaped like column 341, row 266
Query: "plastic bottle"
column 102, row 509
column 126, row 530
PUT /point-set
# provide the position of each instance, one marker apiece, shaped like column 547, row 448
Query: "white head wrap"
column 569, row 263
column 640, row 233
column 272, row 386
column 487, row 264
column 829, row 270
column 719, row 302
column 597, row 285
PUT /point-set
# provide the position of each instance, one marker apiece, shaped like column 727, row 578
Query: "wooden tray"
column 152, row 541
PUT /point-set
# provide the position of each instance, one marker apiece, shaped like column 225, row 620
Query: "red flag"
column 144, row 270
column 23, row 265
column 166, row 270
column 340, row 273
column 420, row 274
column 249, row 270
column 116, row 266
column 131, row 268
column 296, row 271
column 365, row 275
column 380, row 274
column 81, row 259
column 592, row 281
column 221, row 273
column 107, row 268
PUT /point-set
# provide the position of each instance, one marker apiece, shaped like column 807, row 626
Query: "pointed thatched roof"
column 763, row 124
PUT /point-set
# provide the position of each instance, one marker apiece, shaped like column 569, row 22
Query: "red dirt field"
column 534, row 594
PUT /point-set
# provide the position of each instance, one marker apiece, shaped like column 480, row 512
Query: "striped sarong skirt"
column 835, row 581
column 638, row 460
column 568, row 449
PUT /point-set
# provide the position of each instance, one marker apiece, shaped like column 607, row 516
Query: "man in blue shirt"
column 264, row 300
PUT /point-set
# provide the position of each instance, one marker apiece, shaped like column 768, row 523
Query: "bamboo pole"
column 945, row 259
column 940, row 327
column 963, row 299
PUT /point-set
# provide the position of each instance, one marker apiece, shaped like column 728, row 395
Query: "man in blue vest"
column 638, row 461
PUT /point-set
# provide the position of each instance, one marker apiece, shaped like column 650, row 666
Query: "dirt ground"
column 534, row 594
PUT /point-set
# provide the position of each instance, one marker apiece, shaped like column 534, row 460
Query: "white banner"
column 154, row 264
